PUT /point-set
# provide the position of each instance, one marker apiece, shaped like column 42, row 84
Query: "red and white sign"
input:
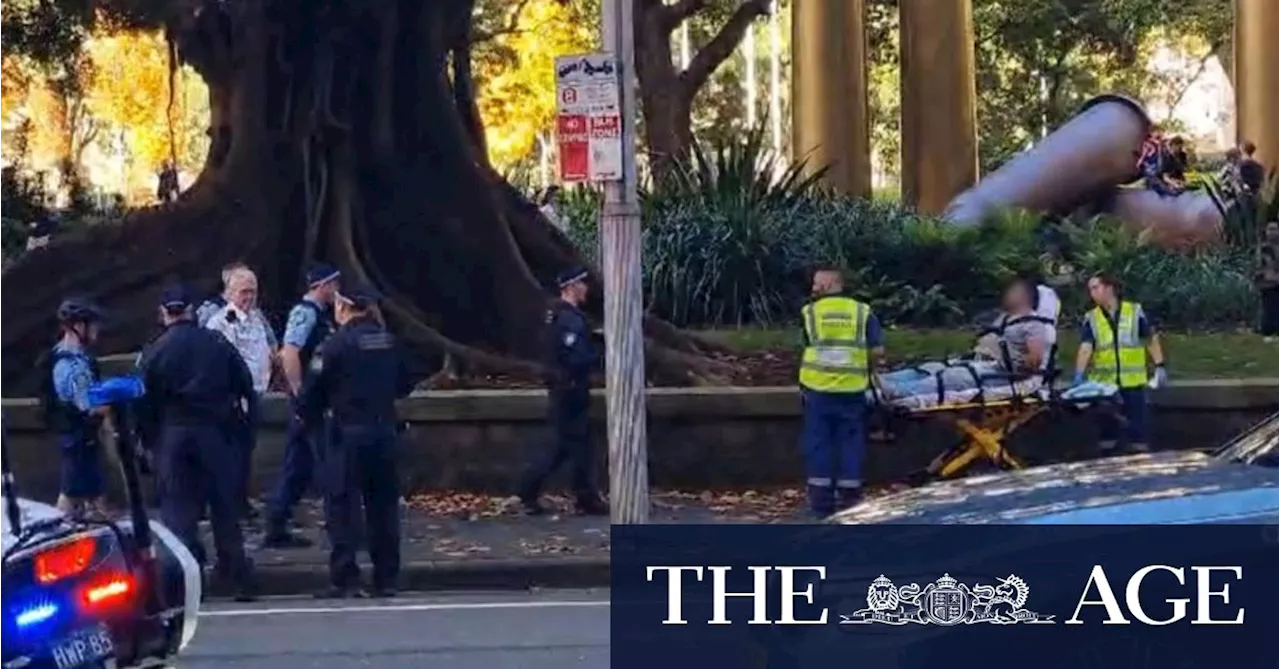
column 589, row 118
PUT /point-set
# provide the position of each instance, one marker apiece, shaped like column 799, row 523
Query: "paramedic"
column 840, row 337
column 1112, row 352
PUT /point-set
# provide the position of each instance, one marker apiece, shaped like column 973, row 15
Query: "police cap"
column 321, row 273
column 571, row 276
column 357, row 295
column 78, row 310
column 176, row 297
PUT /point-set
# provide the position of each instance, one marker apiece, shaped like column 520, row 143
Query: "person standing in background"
column 1252, row 173
column 551, row 208
column 1268, row 294
column 244, row 325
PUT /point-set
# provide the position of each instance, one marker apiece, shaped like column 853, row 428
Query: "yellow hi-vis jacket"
column 835, row 355
column 1118, row 354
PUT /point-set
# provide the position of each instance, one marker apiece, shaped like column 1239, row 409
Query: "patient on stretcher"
column 1010, row 355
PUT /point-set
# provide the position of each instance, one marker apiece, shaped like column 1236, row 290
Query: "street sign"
column 589, row 118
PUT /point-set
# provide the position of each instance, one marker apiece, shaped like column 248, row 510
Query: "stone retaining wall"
column 698, row 438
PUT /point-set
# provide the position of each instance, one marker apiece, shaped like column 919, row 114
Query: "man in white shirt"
column 244, row 325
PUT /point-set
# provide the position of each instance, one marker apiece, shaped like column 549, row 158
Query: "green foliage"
column 724, row 245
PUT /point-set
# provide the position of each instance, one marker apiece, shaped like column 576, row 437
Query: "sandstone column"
column 829, row 91
column 1256, row 72
column 939, row 115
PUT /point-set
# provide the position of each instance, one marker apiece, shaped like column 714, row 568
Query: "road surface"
column 527, row 631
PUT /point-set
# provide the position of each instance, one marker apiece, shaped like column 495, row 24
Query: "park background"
column 729, row 237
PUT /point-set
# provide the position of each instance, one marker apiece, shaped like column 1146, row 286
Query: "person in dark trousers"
column 310, row 323
column 1112, row 352
column 841, row 338
column 1268, row 292
column 1252, row 173
column 570, row 358
column 196, row 382
column 358, row 374
column 72, row 369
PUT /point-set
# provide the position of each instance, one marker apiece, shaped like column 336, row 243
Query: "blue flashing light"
column 36, row 614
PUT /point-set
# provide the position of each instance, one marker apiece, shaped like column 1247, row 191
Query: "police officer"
column 196, row 381
column 357, row 375
column 569, row 359
column 841, row 336
column 71, row 371
column 1112, row 352
column 310, row 323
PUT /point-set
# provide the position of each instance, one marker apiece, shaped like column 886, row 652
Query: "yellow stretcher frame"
column 984, row 426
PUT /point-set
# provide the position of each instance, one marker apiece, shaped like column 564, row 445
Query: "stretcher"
column 985, row 417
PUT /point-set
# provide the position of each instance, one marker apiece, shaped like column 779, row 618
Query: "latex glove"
column 1078, row 379
column 1161, row 378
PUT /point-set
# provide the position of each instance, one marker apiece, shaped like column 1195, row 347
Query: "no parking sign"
column 589, row 118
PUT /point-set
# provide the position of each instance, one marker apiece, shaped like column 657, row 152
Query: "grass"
column 1191, row 356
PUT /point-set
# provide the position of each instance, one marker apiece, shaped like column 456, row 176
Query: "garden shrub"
column 727, row 244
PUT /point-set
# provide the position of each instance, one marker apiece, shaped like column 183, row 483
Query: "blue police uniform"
column 570, row 357
column 357, row 375
column 71, row 371
column 309, row 324
column 196, row 385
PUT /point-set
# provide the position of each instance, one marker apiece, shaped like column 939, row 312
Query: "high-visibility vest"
column 835, row 359
column 1118, row 354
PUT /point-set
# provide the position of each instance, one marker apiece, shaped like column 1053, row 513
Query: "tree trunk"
column 340, row 132
column 664, row 100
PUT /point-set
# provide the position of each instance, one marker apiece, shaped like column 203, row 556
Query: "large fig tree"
column 344, row 131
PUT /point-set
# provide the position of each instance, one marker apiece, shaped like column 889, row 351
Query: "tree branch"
column 1186, row 85
column 513, row 20
column 670, row 16
column 715, row 52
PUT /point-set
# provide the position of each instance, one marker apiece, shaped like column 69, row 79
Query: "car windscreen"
column 1257, row 445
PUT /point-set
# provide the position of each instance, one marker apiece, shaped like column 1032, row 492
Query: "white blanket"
column 992, row 389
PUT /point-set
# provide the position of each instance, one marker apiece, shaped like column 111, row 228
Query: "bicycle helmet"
column 76, row 310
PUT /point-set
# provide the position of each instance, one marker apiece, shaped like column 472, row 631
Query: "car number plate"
column 83, row 648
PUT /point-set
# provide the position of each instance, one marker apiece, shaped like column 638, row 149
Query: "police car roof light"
column 36, row 614
column 65, row 559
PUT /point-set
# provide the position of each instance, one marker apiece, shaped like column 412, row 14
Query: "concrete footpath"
column 476, row 542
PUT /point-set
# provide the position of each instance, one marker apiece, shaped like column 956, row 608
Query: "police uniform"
column 1120, row 359
column 196, row 383
column 357, row 375
column 839, row 332
column 309, row 324
column 71, row 371
column 570, row 357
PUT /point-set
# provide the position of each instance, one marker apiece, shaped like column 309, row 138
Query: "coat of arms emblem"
column 946, row 602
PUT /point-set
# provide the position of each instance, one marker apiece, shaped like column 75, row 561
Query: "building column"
column 939, row 114
column 1256, row 72
column 829, row 124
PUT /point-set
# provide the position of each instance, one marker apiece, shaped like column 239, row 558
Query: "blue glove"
column 1161, row 378
column 1078, row 379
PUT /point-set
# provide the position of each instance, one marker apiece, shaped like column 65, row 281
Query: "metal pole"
column 623, row 297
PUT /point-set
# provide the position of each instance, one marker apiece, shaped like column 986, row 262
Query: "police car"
column 93, row 594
